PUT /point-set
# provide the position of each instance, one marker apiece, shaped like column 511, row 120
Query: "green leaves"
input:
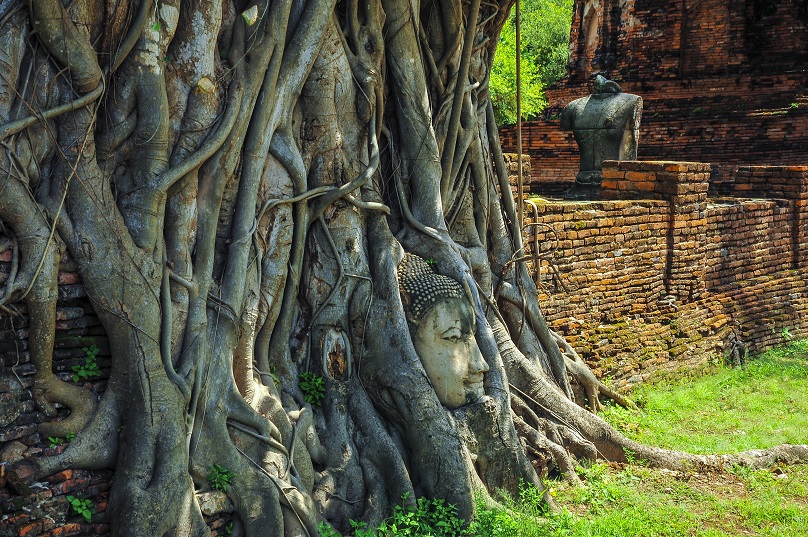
column 545, row 51
column 90, row 367
column 313, row 388
column 220, row 477
column 82, row 506
column 54, row 441
column 428, row 518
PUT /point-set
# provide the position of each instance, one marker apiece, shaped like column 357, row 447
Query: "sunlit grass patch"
column 760, row 405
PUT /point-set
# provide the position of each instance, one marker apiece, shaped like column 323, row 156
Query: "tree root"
column 593, row 387
column 49, row 389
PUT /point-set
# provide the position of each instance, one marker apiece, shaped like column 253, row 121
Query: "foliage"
column 515, row 517
column 82, row 506
column 545, row 51
column 54, row 441
column 427, row 518
column 90, row 367
column 313, row 388
column 220, row 477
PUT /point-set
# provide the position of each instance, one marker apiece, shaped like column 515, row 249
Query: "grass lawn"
column 760, row 405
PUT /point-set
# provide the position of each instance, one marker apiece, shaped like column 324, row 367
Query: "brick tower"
column 723, row 81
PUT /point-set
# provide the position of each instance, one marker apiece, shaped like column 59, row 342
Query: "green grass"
column 727, row 410
column 763, row 404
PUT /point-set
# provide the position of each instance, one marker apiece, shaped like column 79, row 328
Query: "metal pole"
column 520, row 187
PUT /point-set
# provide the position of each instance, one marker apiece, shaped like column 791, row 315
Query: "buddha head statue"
column 442, row 327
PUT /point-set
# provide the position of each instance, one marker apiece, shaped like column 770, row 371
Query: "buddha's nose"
column 477, row 363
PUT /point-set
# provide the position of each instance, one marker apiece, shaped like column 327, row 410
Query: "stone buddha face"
column 442, row 327
column 444, row 340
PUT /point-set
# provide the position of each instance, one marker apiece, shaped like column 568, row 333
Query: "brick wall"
column 721, row 82
column 653, row 278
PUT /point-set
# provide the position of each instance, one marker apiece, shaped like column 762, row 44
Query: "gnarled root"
column 592, row 386
column 48, row 389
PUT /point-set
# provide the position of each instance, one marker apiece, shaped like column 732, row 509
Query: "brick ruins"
column 724, row 82
column 660, row 278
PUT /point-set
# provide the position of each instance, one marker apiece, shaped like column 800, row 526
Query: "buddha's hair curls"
column 421, row 287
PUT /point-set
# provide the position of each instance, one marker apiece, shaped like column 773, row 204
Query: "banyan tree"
column 257, row 192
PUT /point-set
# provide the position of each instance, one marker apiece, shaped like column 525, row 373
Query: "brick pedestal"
column 684, row 185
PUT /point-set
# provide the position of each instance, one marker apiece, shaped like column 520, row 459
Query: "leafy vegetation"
column 90, row 367
column 220, row 477
column 82, row 506
column 545, row 51
column 54, row 441
column 313, row 388
column 428, row 518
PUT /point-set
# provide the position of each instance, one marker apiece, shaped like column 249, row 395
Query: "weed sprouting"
column 82, row 506
column 220, row 477
column 313, row 388
column 433, row 518
column 90, row 367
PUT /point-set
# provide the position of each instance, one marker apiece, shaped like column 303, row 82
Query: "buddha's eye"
column 453, row 335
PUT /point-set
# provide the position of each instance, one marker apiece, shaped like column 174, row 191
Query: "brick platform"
column 653, row 278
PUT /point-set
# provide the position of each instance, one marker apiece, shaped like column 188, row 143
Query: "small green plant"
column 220, row 477
column 698, row 110
column 273, row 372
column 55, row 441
column 427, row 517
column 82, row 506
column 794, row 105
column 326, row 530
column 228, row 529
column 156, row 26
column 313, row 387
column 90, row 367
column 70, row 436
column 786, row 333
